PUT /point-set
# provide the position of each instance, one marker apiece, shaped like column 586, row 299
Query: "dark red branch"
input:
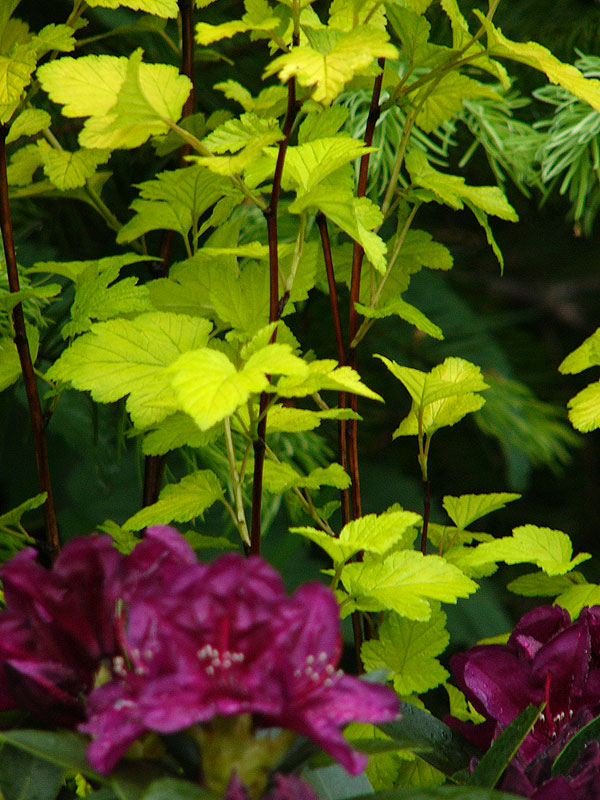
column 350, row 427
column 339, row 339
column 31, row 390
column 426, row 507
column 275, row 311
column 186, row 10
column 357, row 259
column 154, row 466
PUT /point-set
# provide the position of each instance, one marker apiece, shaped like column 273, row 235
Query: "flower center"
column 218, row 660
column 318, row 670
column 552, row 723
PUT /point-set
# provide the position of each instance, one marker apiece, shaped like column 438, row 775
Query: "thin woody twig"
column 33, row 400
column 275, row 310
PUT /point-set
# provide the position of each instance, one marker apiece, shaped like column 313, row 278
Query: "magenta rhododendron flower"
column 319, row 698
column 547, row 659
column 62, row 625
column 234, row 643
column 156, row 642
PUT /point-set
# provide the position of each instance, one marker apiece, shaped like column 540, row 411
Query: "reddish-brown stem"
column 335, row 309
column 275, row 311
column 186, row 10
column 426, row 507
column 339, row 338
column 358, row 252
column 31, row 390
column 351, row 427
column 357, row 259
column 154, row 466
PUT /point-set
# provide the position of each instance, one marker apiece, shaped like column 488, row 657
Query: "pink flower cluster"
column 156, row 641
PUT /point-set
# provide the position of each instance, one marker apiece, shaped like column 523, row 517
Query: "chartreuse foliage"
column 209, row 360
column 584, row 408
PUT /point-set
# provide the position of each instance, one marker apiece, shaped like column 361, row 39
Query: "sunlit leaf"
column 550, row 549
column 128, row 357
column 405, row 582
column 179, row 502
column 371, row 532
column 409, row 650
column 340, row 57
column 467, row 508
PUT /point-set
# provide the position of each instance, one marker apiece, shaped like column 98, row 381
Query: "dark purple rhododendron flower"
column 534, row 779
column 548, row 658
column 235, row 643
column 155, row 641
column 62, row 625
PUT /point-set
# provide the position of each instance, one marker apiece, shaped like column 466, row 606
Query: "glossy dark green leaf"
column 334, row 783
column 129, row 781
column 374, row 746
column 105, row 793
column 176, row 789
column 501, row 753
column 62, row 748
column 25, row 777
column 132, row 779
column 440, row 793
column 435, row 742
column 572, row 750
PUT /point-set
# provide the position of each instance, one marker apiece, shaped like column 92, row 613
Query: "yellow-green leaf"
column 28, row 123
column 179, row 502
column 129, row 357
column 540, row 58
column 447, row 99
column 280, row 478
column 10, row 364
column 371, row 532
column 149, row 97
column 408, row 649
column 539, row 584
column 467, row 508
column 549, row 549
column 586, row 355
column 584, row 408
column 405, row 582
column 330, row 69
column 70, row 170
column 452, row 189
column 15, row 75
column 454, row 376
column 160, row 8
column 575, row 598
column 85, row 86
column 354, row 215
column 209, row 387
column 324, row 374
